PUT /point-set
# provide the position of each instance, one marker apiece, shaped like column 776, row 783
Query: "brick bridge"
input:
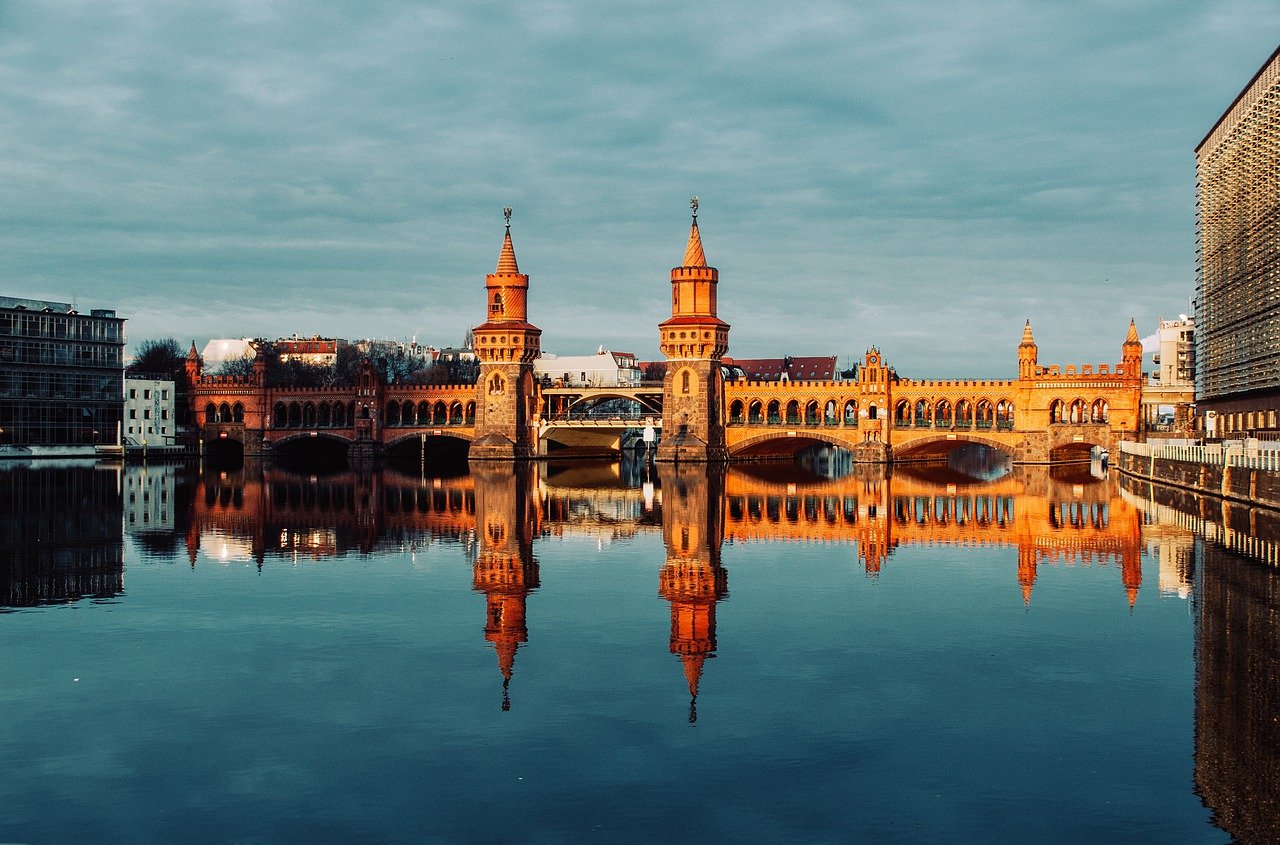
column 1044, row 415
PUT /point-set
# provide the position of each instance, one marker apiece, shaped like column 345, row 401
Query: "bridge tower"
column 1131, row 353
column 692, row 578
column 694, row 340
column 505, row 570
column 506, row 344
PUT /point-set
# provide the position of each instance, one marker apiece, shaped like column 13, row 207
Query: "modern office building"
column 61, row 374
column 1238, row 261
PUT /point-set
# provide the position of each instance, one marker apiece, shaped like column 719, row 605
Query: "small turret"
column 194, row 365
column 1131, row 352
column 1027, row 353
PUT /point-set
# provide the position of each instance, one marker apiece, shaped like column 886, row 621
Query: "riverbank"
column 1226, row 472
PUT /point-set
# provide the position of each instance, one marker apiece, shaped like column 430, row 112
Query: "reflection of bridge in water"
column 1051, row 516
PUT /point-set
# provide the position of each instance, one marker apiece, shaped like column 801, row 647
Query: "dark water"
column 588, row 652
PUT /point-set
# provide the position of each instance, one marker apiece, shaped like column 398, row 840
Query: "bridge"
column 1046, row 414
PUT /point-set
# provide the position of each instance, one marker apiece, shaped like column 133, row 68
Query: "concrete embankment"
column 1249, row 485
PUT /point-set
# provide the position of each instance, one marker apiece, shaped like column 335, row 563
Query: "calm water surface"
column 595, row 652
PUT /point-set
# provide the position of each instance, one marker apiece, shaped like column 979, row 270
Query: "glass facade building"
column 61, row 374
column 1238, row 259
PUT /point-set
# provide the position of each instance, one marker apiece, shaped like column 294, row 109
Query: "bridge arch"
column 931, row 446
column 779, row 443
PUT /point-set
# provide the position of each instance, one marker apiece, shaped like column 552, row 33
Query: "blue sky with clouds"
column 917, row 175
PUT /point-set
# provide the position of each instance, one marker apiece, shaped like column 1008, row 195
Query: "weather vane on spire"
column 506, row 212
column 693, row 203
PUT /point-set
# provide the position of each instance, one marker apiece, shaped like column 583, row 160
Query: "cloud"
column 921, row 176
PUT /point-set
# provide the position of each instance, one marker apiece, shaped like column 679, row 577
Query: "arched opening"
column 872, row 411
column 339, row 416
column 851, row 412
column 311, row 453
column 237, row 413
column 497, row 385
column 224, row 453
column 902, row 413
column 392, row 416
column 735, row 412
column 985, row 414
column 469, row 413
column 439, row 414
column 424, row 413
column 406, row 413
column 308, row 415
column 324, row 415
column 829, row 413
column 1004, row 414
column 922, row 414
column 684, row 382
column 295, row 415
column 210, row 413
column 455, row 413
column 1077, row 411
column 755, row 413
column 279, row 416
column 811, row 412
column 1057, row 410
column 496, row 306
column 793, row 412
column 942, row 414
column 964, row 414
column 774, row 412
column 1100, row 412
column 224, row 412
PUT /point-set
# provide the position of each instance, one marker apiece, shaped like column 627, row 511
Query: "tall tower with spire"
column 506, row 344
column 505, row 569
column 692, row 579
column 694, row 340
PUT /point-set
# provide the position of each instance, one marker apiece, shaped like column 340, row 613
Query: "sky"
column 919, row 176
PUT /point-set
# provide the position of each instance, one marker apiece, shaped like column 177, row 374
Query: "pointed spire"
column 1028, row 339
column 692, row 671
column 193, row 355
column 1132, row 336
column 693, row 254
column 507, row 258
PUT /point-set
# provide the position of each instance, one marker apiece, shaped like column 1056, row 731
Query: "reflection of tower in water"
column 692, row 578
column 505, row 568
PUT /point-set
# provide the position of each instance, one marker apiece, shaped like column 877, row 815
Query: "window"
column 146, row 394
column 146, row 414
column 133, row 393
column 133, row 413
column 164, row 394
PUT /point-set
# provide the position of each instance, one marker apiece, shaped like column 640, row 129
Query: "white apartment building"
column 603, row 369
column 149, row 411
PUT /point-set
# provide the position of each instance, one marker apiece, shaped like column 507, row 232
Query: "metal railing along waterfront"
column 1232, row 455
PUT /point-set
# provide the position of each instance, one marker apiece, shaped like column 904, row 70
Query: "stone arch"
column 851, row 412
column 1057, row 411
column 469, row 413
column 811, row 412
column 942, row 413
column 392, row 415
column 964, row 414
column 829, row 413
column 1077, row 411
column 210, row 413
column 1004, row 414
column 921, row 415
column 934, row 445
column 224, row 412
column 309, row 415
column 424, row 413
column 455, row 413
column 279, row 415
column 760, row 444
column 295, row 415
column 735, row 412
column 237, row 413
column 439, row 413
column 324, row 415
column 496, row 385
column 495, row 307
column 793, row 412
column 339, row 415
column 902, row 413
column 984, row 414
column 774, row 412
column 1100, row 412
column 755, row 412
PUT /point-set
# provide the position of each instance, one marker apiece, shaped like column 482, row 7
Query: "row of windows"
column 146, row 393
column 52, row 423
column 56, row 384
column 52, row 353
column 61, row 326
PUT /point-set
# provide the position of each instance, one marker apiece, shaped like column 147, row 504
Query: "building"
column 603, row 369
column 1238, row 262
column 149, row 410
column 790, row 368
column 61, row 374
column 1168, row 395
column 223, row 349
column 316, row 351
